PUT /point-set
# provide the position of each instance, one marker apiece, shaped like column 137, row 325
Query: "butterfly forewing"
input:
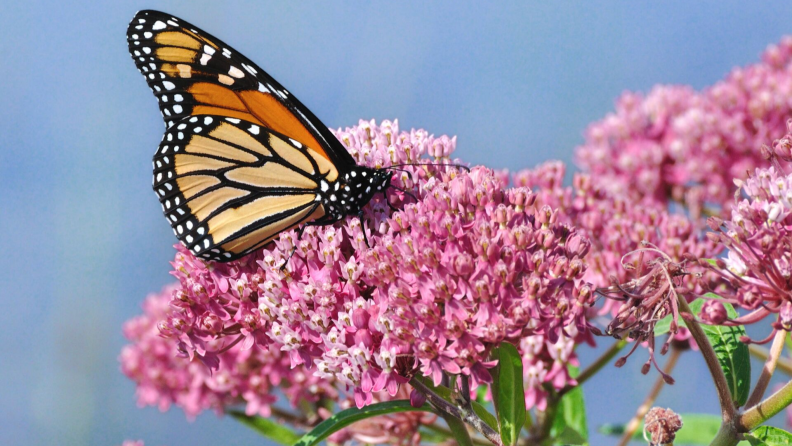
column 194, row 73
column 242, row 159
column 228, row 186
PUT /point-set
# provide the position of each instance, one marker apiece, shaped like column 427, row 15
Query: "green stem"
column 768, row 369
column 596, row 366
column 728, row 412
column 458, row 429
column 461, row 413
column 447, row 432
column 763, row 411
column 547, row 418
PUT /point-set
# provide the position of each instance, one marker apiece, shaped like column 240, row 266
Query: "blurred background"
column 84, row 240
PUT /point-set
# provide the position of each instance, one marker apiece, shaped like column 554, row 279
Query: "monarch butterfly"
column 242, row 160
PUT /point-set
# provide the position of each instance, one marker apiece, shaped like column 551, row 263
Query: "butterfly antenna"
column 430, row 164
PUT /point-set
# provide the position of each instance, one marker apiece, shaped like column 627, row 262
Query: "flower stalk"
column 728, row 412
column 768, row 369
column 459, row 412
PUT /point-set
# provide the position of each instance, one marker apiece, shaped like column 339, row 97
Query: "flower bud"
column 713, row 312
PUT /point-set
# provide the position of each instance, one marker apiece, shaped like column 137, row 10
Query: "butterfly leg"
column 363, row 227
column 294, row 248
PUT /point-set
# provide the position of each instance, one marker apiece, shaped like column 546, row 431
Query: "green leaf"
column 266, row 427
column 732, row 354
column 569, row 424
column 510, row 402
column 346, row 417
column 769, row 436
column 697, row 429
column 713, row 262
column 445, row 393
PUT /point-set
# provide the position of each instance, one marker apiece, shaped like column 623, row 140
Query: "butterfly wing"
column 229, row 186
column 193, row 73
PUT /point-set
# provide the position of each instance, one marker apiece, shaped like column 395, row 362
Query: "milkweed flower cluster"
column 465, row 263
column 758, row 239
column 676, row 143
column 246, row 376
column 617, row 226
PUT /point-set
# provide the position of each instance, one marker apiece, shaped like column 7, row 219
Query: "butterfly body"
column 242, row 160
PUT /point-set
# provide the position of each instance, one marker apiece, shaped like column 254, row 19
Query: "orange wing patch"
column 207, row 146
column 192, row 185
column 204, row 205
column 289, row 153
column 264, row 235
column 229, row 222
column 177, row 38
column 194, row 163
column 270, row 175
column 235, row 135
column 274, row 115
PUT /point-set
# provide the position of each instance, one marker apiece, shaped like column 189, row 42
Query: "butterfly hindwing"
column 193, row 73
column 228, row 186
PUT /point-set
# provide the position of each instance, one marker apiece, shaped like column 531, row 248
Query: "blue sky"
column 84, row 240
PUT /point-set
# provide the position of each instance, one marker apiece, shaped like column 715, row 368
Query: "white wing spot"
column 168, row 85
column 233, row 120
column 207, row 120
column 254, row 129
column 206, row 243
column 178, row 108
column 141, row 20
column 189, row 239
column 209, row 50
column 194, row 119
column 236, row 72
column 189, row 225
column 180, row 135
column 148, row 34
column 197, row 129
column 296, row 144
column 201, row 230
column 172, row 23
column 262, row 88
column 226, row 52
column 180, row 229
column 178, row 97
column 205, row 59
column 158, row 25
column 181, row 126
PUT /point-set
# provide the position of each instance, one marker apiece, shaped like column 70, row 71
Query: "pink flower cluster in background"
column 681, row 144
column 464, row 264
